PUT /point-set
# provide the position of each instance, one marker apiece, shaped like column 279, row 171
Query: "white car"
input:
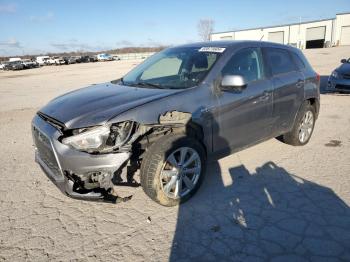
column 27, row 63
column 56, row 61
column 104, row 57
column 42, row 60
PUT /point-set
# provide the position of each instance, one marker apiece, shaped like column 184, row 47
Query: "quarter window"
column 247, row 63
column 300, row 64
column 280, row 61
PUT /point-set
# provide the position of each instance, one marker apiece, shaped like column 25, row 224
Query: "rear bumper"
column 338, row 84
column 57, row 160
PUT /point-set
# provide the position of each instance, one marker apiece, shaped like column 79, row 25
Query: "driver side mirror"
column 233, row 82
column 343, row 61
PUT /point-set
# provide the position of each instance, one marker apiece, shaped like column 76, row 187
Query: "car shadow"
column 261, row 215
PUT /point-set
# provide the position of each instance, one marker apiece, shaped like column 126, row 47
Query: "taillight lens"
column 318, row 77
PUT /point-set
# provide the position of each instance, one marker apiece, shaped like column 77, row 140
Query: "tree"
column 205, row 27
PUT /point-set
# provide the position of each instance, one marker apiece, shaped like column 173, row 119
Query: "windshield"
column 176, row 68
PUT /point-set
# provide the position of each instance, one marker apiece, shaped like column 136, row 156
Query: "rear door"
column 288, row 87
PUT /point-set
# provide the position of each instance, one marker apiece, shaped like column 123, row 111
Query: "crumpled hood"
column 97, row 104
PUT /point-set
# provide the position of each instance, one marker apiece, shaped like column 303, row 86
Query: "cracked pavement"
column 271, row 202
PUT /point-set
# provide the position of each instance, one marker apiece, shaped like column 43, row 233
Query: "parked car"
column 56, row 61
column 13, row 65
column 87, row 59
column 27, row 63
column 2, row 65
column 117, row 58
column 42, row 60
column 171, row 113
column 77, row 59
column 69, row 60
column 93, row 58
column 104, row 57
column 339, row 80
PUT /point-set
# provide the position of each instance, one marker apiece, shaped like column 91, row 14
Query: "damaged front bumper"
column 61, row 163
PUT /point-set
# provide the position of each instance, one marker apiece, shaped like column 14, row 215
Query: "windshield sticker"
column 212, row 49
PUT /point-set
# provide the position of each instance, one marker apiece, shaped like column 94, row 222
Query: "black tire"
column 155, row 158
column 292, row 138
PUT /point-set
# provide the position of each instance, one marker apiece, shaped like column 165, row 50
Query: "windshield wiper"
column 148, row 84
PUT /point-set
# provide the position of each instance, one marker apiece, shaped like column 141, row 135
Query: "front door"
column 241, row 118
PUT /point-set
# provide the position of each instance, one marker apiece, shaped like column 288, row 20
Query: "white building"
column 313, row 34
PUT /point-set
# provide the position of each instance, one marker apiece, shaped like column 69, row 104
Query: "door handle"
column 300, row 83
column 265, row 96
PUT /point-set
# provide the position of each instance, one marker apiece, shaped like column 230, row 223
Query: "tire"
column 294, row 136
column 160, row 179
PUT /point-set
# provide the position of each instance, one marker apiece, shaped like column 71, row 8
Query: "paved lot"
column 269, row 202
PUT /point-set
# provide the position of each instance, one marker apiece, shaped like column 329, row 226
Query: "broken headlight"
column 99, row 139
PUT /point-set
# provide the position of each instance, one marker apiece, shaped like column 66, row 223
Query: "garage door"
column 315, row 33
column 345, row 35
column 315, row 37
column 276, row 37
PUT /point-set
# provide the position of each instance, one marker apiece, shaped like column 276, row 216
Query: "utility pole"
column 299, row 39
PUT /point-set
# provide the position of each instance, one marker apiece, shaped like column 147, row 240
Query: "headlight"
column 88, row 140
column 100, row 139
column 335, row 74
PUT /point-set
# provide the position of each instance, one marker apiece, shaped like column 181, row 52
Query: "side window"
column 279, row 60
column 247, row 63
column 300, row 64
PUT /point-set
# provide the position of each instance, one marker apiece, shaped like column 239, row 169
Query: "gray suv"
column 158, row 125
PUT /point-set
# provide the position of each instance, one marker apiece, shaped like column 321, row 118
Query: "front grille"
column 342, row 87
column 346, row 76
column 45, row 151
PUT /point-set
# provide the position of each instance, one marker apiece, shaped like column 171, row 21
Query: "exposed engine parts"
column 128, row 137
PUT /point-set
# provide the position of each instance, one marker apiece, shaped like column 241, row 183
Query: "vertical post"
column 299, row 40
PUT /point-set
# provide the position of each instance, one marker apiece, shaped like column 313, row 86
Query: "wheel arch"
column 315, row 103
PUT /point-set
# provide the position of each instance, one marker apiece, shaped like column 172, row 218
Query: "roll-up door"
column 345, row 35
column 315, row 37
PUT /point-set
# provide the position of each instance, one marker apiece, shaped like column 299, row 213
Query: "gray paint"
column 264, row 109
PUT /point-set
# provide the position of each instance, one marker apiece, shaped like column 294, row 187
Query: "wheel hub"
column 180, row 172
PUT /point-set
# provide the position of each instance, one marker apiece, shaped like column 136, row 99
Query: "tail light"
column 318, row 77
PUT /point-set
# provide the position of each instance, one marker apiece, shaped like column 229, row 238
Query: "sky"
column 38, row 26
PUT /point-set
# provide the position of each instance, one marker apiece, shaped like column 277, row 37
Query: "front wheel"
column 172, row 169
column 303, row 126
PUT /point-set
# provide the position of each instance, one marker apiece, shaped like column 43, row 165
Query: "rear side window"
column 300, row 64
column 279, row 60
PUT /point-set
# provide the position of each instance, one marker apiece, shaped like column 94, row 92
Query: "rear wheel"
column 303, row 126
column 173, row 169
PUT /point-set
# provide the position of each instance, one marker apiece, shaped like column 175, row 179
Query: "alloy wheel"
column 180, row 172
column 306, row 127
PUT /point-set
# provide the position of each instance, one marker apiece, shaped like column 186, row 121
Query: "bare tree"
column 205, row 27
